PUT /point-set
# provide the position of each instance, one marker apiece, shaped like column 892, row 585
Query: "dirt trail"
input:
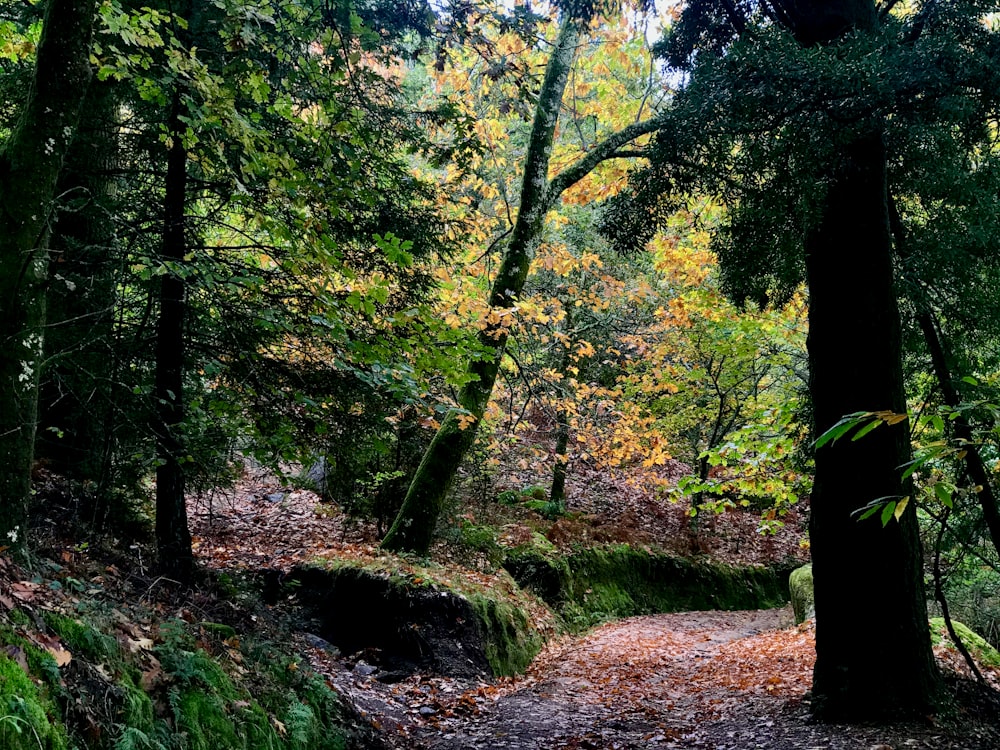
column 719, row 680
column 644, row 682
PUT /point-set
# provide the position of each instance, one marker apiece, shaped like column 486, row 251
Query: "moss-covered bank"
column 613, row 581
column 421, row 618
column 78, row 680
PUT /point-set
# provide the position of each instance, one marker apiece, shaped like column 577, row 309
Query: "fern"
column 135, row 739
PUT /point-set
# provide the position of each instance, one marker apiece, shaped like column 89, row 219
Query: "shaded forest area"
column 519, row 318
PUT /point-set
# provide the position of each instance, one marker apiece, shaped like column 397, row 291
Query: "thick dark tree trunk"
column 173, row 538
column 30, row 162
column 863, row 573
column 75, row 400
column 873, row 650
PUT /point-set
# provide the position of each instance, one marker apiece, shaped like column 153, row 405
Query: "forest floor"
column 721, row 680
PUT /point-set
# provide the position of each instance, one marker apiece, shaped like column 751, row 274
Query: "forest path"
column 661, row 681
column 718, row 680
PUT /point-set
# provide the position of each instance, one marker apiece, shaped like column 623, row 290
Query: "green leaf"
column 870, row 510
column 943, row 493
column 888, row 511
column 842, row 427
column 866, row 429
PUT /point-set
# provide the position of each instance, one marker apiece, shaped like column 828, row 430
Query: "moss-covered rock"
column 979, row 647
column 612, row 581
column 415, row 621
column 542, row 571
column 800, row 586
column 621, row 581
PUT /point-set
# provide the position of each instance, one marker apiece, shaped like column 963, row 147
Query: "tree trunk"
column 75, row 399
column 414, row 526
column 557, row 490
column 173, row 538
column 29, row 167
column 961, row 426
column 873, row 652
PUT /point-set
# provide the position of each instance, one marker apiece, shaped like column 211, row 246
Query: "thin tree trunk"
column 29, row 168
column 557, row 491
column 173, row 538
column 414, row 526
column 963, row 430
column 942, row 371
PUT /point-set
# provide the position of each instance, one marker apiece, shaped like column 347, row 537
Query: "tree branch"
column 606, row 149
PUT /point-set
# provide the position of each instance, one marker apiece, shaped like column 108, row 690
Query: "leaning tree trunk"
column 413, row 528
column 173, row 537
column 873, row 651
column 29, row 167
column 962, row 428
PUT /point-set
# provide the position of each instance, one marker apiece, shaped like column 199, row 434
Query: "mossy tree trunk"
column 30, row 164
column 76, row 410
column 413, row 528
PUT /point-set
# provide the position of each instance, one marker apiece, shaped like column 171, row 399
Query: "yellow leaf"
column 61, row 655
column 901, row 506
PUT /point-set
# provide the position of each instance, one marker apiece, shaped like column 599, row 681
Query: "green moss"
column 81, row 638
column 978, row 646
column 201, row 716
column 614, row 581
column 26, row 712
column 509, row 640
column 40, row 662
column 800, row 585
column 218, row 629
column 540, row 570
column 137, row 708
column 309, row 712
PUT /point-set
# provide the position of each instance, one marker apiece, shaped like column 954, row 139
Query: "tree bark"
column 75, row 398
column 961, row 426
column 29, row 168
column 414, row 526
column 173, row 538
column 862, row 572
column 557, row 490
